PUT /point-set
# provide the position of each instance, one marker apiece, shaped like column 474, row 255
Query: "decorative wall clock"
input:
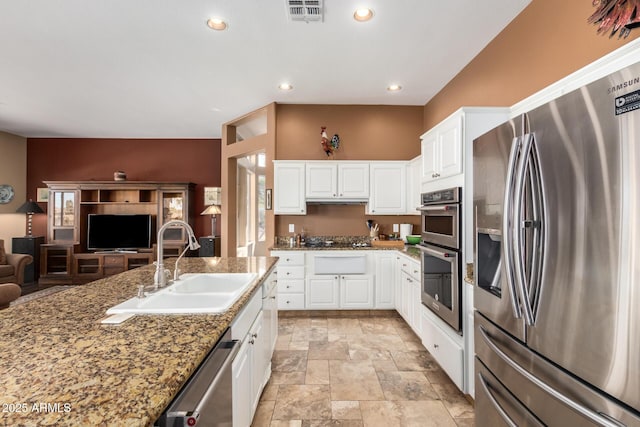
column 6, row 193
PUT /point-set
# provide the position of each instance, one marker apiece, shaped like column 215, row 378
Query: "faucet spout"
column 160, row 279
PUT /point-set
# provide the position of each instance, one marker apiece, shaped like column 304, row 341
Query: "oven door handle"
column 448, row 256
column 438, row 208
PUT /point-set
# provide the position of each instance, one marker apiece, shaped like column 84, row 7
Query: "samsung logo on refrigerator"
column 623, row 85
column 628, row 102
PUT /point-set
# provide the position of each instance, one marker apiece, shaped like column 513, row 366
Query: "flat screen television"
column 118, row 232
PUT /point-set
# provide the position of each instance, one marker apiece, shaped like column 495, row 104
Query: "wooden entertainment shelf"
column 64, row 259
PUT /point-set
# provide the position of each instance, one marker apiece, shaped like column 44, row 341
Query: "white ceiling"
column 153, row 69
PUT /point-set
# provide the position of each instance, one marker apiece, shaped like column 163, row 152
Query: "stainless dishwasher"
column 205, row 400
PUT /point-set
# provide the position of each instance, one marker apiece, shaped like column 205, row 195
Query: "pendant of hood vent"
column 305, row 10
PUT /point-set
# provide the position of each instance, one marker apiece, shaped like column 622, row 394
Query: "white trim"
column 620, row 58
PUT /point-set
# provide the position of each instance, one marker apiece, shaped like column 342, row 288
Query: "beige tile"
column 282, row 342
column 384, row 365
column 349, row 371
column 278, row 378
column 286, row 423
column 361, row 390
column 289, row 361
column 377, row 326
column 332, row 423
column 414, row 345
column 414, row 361
column 426, row 413
column 311, row 333
column 344, row 326
column 369, row 354
column 328, row 350
column 403, row 385
column 262, row 418
column 368, row 342
column 453, row 399
column 270, row 391
column 317, row 372
column 333, row 337
column 345, row 410
column 299, row 345
column 438, row 376
column 465, row 422
column 303, row 402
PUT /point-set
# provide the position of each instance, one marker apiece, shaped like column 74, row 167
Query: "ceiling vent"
column 305, row 10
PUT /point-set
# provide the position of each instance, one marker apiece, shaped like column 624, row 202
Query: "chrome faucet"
column 160, row 278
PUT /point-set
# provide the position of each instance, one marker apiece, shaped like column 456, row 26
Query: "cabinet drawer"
column 290, row 258
column 290, row 286
column 446, row 352
column 285, row 272
column 114, row 260
column 290, row 301
column 411, row 267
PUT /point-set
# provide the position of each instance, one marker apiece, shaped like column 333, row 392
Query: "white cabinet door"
column 444, row 350
column 388, row 188
column 429, row 156
column 385, row 281
column 321, row 180
column 241, row 386
column 450, row 145
column 259, row 363
column 353, row 180
column 356, row 291
column 442, row 149
column 322, row 292
column 289, row 188
column 414, row 180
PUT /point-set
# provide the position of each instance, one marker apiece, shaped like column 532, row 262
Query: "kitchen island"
column 61, row 366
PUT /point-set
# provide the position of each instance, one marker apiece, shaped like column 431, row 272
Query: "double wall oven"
column 441, row 242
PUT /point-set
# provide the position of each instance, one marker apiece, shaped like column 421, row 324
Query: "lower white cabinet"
column 446, row 351
column 270, row 316
column 344, row 291
column 385, row 280
column 409, row 292
column 356, row 291
column 291, row 278
column 323, row 292
column 249, row 371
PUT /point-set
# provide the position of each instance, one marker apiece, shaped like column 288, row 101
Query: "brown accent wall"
column 367, row 132
column 180, row 160
column 549, row 40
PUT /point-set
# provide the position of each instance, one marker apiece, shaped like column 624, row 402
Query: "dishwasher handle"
column 190, row 418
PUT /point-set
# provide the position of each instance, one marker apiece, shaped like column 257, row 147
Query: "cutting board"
column 387, row 244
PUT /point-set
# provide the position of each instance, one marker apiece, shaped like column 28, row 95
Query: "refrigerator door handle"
column 507, row 227
column 495, row 403
column 518, row 238
column 586, row 412
column 539, row 225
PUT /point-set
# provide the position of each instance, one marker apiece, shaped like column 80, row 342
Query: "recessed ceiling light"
column 394, row 88
column 285, row 86
column 217, row 24
column 363, row 15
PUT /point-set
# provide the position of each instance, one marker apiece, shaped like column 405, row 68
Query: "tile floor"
column 367, row 371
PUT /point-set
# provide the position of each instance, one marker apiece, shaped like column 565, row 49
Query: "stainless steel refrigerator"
column 557, row 261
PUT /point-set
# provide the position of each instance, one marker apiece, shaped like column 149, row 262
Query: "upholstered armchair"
column 12, row 266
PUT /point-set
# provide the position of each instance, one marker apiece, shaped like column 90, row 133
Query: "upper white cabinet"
column 289, row 188
column 330, row 180
column 442, row 150
column 388, row 188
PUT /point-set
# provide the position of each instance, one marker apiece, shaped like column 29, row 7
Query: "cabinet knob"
column 335, row 195
column 288, row 259
column 436, row 346
column 254, row 335
column 273, row 297
column 288, row 302
column 415, row 271
column 251, row 342
column 288, row 273
column 288, row 286
column 340, row 194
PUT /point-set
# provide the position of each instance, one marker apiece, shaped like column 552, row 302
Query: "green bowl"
column 413, row 239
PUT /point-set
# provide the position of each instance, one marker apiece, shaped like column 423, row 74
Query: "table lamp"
column 212, row 210
column 30, row 208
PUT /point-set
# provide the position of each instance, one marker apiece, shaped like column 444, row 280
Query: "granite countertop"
column 60, row 366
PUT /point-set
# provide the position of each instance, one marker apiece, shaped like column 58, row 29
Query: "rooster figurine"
column 326, row 143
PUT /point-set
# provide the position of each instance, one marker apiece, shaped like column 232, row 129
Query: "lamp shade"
column 212, row 210
column 30, row 207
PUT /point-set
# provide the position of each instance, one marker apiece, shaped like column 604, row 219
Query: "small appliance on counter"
column 405, row 230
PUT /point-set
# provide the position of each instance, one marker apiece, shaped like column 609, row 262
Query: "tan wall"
column 366, row 133
column 549, row 40
column 13, row 171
